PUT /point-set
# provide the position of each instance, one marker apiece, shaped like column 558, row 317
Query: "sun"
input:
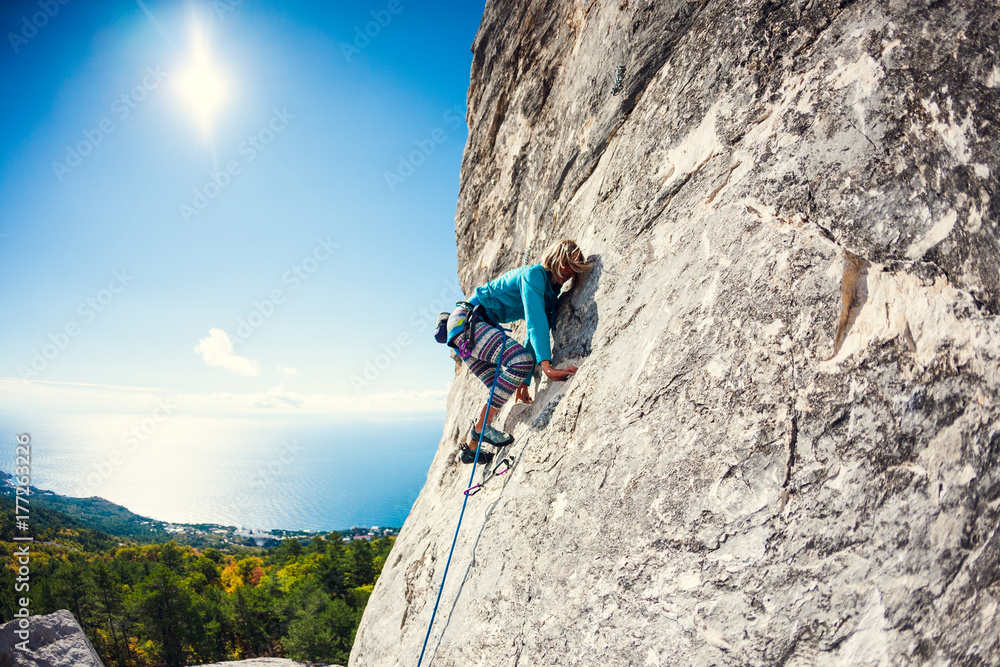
column 201, row 85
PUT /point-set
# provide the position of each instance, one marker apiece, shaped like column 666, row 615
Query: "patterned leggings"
column 516, row 362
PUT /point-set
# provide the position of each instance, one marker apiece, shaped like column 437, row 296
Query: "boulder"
column 54, row 640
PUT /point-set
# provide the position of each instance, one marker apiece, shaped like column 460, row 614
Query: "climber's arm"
column 558, row 375
column 537, row 322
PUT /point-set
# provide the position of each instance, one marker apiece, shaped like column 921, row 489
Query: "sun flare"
column 201, row 86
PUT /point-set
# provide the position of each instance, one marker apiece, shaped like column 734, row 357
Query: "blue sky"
column 255, row 258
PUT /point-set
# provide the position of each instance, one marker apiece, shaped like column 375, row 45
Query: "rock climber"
column 527, row 293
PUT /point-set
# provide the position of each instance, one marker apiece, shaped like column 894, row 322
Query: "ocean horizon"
column 261, row 474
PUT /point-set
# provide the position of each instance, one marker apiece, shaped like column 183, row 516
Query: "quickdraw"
column 500, row 468
column 619, row 77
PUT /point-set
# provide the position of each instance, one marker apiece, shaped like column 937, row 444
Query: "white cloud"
column 288, row 371
column 41, row 396
column 217, row 350
column 277, row 397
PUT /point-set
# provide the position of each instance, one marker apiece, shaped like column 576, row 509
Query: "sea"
column 260, row 474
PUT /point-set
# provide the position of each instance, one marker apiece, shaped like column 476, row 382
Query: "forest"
column 171, row 604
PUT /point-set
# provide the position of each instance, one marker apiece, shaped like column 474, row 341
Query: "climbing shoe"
column 469, row 456
column 494, row 436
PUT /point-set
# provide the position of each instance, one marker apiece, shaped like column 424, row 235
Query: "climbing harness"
column 466, row 494
column 466, row 340
column 619, row 77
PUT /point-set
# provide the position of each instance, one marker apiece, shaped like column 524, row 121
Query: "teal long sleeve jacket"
column 524, row 293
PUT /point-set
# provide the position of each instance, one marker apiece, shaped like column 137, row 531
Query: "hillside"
column 782, row 443
column 102, row 515
column 149, row 592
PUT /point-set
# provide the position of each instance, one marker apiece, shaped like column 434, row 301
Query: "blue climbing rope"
column 475, row 462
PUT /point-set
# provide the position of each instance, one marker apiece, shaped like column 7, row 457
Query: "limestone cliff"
column 782, row 445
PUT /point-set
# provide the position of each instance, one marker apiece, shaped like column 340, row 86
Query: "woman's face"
column 562, row 275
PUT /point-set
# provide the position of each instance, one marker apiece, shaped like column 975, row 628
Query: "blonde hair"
column 565, row 253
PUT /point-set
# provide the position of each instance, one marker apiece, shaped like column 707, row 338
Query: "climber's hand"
column 522, row 394
column 557, row 375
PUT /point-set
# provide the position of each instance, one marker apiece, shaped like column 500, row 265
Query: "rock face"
column 55, row 640
column 782, row 444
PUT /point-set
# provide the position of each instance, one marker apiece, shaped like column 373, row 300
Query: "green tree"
column 163, row 606
column 203, row 572
column 215, row 555
column 258, row 622
column 322, row 631
column 289, row 550
column 333, row 570
column 362, row 563
column 318, row 545
column 71, row 588
column 110, row 601
column 213, row 632
column 171, row 556
column 8, row 597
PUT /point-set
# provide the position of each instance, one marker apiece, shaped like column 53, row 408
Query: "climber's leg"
column 515, row 362
column 482, row 415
